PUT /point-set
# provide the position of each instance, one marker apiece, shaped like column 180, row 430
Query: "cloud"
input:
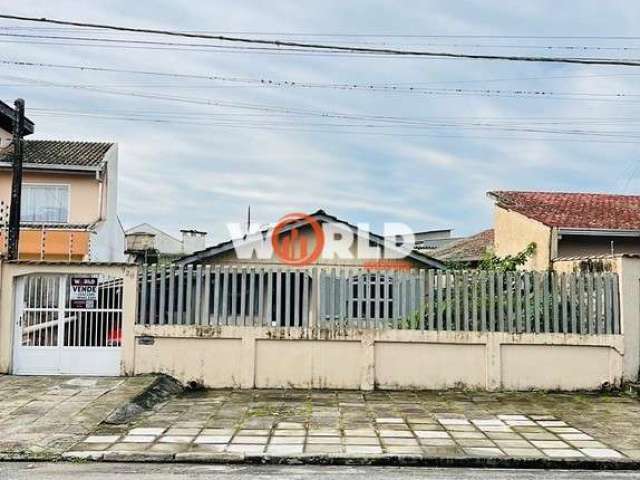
column 202, row 165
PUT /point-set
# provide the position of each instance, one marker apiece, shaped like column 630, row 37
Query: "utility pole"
column 16, row 184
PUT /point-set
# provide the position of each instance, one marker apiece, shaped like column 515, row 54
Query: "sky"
column 196, row 152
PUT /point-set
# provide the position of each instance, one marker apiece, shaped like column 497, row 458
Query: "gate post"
column 129, row 309
column 628, row 269
column 6, row 318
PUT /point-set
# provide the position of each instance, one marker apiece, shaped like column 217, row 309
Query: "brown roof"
column 59, row 152
column 597, row 211
column 467, row 249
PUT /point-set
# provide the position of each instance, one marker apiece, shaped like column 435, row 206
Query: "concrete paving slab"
column 379, row 426
column 139, row 439
column 563, row 453
column 52, row 413
column 601, row 453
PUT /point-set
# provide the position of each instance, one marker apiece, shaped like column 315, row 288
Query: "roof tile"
column 468, row 249
column 60, row 152
column 597, row 211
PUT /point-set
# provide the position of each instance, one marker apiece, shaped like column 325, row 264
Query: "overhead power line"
column 365, row 35
column 499, row 119
column 325, row 115
column 450, row 92
column 374, row 126
column 90, row 68
column 453, row 45
column 350, row 86
column 565, row 136
column 334, row 48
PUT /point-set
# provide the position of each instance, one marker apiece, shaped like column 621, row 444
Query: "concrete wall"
column 629, row 273
column 248, row 357
column 10, row 271
column 108, row 243
column 558, row 367
column 628, row 270
column 514, row 232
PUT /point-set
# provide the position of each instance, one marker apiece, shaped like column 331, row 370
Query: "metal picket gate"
column 55, row 334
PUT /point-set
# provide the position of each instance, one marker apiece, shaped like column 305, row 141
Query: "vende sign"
column 84, row 292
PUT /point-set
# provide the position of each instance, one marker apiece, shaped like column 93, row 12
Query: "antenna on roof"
column 248, row 218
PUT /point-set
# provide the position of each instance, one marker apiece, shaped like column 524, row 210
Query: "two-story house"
column 69, row 197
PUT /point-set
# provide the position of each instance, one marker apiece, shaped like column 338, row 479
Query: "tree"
column 508, row 263
column 490, row 261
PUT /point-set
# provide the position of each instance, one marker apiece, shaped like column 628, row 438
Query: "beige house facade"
column 565, row 225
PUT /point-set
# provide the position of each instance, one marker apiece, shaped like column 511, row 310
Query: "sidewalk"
column 41, row 417
column 446, row 428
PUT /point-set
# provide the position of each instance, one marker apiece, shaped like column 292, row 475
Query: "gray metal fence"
column 518, row 302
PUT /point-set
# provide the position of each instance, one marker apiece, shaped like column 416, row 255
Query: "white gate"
column 67, row 325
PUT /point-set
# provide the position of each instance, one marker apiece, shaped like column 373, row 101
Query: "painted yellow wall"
column 513, row 232
column 84, row 192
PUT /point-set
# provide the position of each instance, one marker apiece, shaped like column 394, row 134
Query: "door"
column 67, row 325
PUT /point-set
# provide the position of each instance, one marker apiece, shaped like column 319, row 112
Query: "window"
column 45, row 203
column 376, row 290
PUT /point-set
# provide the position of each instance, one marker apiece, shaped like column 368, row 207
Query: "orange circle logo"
column 291, row 246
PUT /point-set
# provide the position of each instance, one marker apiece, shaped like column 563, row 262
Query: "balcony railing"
column 49, row 242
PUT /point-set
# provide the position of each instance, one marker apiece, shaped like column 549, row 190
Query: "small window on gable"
column 45, row 203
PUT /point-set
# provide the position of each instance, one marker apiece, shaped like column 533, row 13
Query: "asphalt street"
column 103, row 471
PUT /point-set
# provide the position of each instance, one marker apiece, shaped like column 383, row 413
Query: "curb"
column 357, row 460
column 28, row 457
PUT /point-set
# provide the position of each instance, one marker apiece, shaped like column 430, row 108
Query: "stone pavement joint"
column 48, row 418
column 434, row 428
column 43, row 416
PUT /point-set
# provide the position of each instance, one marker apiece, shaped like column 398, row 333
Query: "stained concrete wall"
column 210, row 362
column 260, row 357
column 559, row 367
column 421, row 365
column 308, row 363
column 628, row 269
